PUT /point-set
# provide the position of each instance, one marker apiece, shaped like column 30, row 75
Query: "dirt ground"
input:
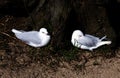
column 18, row 60
column 107, row 68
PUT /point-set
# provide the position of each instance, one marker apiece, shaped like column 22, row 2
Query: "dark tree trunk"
column 113, row 13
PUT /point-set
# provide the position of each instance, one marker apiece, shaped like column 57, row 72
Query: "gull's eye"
column 43, row 32
column 80, row 35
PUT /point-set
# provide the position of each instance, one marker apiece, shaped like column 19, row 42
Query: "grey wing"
column 29, row 37
column 93, row 37
column 88, row 41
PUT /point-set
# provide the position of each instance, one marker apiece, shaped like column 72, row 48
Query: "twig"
column 7, row 35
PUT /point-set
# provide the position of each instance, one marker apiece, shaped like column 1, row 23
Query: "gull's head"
column 77, row 34
column 43, row 31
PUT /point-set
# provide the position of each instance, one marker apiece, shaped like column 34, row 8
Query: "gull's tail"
column 104, row 43
column 103, row 38
column 101, row 44
column 15, row 31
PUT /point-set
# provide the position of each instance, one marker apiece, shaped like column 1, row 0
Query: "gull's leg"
column 88, row 48
column 84, row 47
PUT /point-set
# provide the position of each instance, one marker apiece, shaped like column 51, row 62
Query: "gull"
column 33, row 38
column 87, row 41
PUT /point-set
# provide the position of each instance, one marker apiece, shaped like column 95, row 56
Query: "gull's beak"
column 47, row 34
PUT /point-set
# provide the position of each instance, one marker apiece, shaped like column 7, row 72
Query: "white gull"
column 87, row 41
column 33, row 38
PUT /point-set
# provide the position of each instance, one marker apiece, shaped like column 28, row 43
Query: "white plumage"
column 87, row 41
column 33, row 38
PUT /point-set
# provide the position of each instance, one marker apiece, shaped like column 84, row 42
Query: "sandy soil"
column 107, row 68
